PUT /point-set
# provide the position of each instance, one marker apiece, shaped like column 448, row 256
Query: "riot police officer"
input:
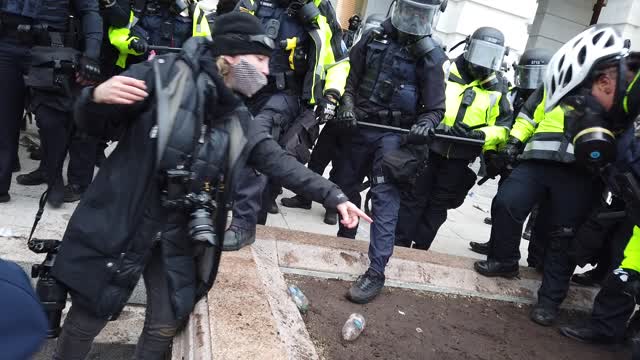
column 44, row 28
column 529, row 73
column 472, row 111
column 308, row 68
column 396, row 79
column 548, row 169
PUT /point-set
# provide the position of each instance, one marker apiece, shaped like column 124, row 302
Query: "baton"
column 164, row 48
column 456, row 139
column 611, row 215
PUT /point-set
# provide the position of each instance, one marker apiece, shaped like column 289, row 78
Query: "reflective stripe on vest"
column 547, row 145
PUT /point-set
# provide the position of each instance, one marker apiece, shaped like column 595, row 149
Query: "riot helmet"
column 484, row 52
column 530, row 70
column 416, row 17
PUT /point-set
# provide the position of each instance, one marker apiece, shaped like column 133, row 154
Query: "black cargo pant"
column 160, row 324
column 14, row 58
column 570, row 194
column 55, row 133
column 423, row 208
column 249, row 198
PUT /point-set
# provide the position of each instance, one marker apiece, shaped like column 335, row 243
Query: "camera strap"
column 45, row 194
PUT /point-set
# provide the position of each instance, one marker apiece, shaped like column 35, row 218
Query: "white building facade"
column 525, row 23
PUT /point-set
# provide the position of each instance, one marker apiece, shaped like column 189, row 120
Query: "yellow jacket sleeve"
column 632, row 252
column 334, row 57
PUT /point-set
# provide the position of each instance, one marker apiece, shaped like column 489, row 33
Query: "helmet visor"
column 485, row 54
column 414, row 18
column 529, row 76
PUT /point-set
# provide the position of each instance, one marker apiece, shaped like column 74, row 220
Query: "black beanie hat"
column 231, row 35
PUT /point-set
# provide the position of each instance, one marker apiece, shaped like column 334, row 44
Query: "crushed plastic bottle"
column 299, row 298
column 353, row 327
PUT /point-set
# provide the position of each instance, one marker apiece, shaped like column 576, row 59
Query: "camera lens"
column 201, row 227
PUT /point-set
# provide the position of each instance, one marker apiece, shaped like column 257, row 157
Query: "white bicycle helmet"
column 570, row 66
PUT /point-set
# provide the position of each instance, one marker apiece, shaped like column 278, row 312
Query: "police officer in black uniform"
column 529, row 73
column 44, row 24
column 397, row 79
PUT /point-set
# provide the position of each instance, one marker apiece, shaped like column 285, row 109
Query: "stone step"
column 248, row 313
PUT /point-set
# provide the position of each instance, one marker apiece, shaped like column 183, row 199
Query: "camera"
column 199, row 203
column 51, row 293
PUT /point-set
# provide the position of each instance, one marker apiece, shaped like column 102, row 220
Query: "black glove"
column 88, row 70
column 512, row 150
column 326, row 108
column 461, row 129
column 138, row 45
column 496, row 163
column 421, row 133
column 346, row 117
column 624, row 280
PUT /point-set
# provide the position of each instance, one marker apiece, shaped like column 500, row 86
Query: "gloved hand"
column 346, row 116
column 461, row 129
column 512, row 150
column 88, row 71
column 496, row 163
column 139, row 45
column 625, row 280
column 326, row 108
column 421, row 133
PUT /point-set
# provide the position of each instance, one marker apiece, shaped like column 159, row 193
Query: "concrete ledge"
column 251, row 316
column 325, row 256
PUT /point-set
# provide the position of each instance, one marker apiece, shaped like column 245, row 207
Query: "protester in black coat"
column 120, row 229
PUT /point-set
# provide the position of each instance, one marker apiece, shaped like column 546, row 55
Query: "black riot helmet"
column 354, row 22
column 416, row 17
column 484, row 52
column 530, row 70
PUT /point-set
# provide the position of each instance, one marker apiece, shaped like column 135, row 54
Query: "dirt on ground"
column 408, row 324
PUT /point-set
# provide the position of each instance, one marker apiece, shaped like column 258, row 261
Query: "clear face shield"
column 485, row 54
column 414, row 18
column 529, row 76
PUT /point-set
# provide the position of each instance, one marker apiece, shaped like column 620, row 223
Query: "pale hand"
column 350, row 215
column 120, row 90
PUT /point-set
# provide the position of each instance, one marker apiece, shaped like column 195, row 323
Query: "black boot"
column 331, row 217
column 585, row 279
column 366, row 287
column 5, row 198
column 297, row 201
column 493, row 268
column 543, row 315
column 480, row 248
column 55, row 196
column 272, row 208
column 235, row 238
column 73, row 193
column 36, row 177
column 488, row 220
column 585, row 335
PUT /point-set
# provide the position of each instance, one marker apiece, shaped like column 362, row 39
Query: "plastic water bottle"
column 353, row 327
column 299, row 298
